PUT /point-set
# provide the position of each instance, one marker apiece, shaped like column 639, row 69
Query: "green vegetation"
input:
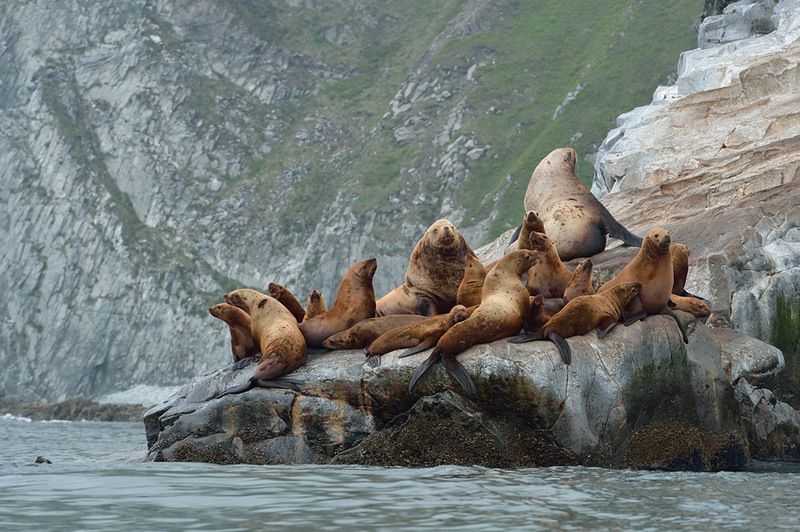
column 785, row 333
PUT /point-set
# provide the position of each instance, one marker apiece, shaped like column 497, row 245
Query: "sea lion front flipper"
column 617, row 230
column 668, row 312
column 243, row 363
column 605, row 326
column 459, row 373
column 563, row 347
column 526, row 337
column 287, row 383
column 630, row 320
column 374, row 361
column 237, row 389
column 422, row 368
column 422, row 346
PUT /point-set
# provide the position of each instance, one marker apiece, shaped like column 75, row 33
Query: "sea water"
column 98, row 481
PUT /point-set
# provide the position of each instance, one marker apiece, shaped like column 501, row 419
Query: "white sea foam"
column 12, row 417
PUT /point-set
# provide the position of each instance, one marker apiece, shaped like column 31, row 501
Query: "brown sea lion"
column 417, row 337
column 355, row 301
column 434, row 272
column 581, row 282
column 652, row 267
column 469, row 291
column 537, row 314
column 680, row 269
column 521, row 237
column 549, row 276
column 582, row 314
column 288, row 300
column 504, row 305
column 315, row 305
column 694, row 306
column 365, row 332
column 282, row 346
column 243, row 344
column 573, row 218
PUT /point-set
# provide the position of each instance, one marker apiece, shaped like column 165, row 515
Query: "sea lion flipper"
column 237, row 389
column 374, row 361
column 288, row 383
column 563, row 347
column 671, row 303
column 243, row 363
column 515, row 236
column 605, row 326
column 630, row 320
column 459, row 373
column 421, row 369
column 617, row 230
column 668, row 312
column 422, row 346
column 526, row 337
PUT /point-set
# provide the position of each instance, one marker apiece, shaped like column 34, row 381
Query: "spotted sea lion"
column 693, row 305
column 573, row 218
column 315, row 305
column 355, row 301
column 275, row 329
column 469, row 290
column 243, row 344
column 288, row 300
column 365, row 332
column 549, row 276
column 580, row 284
column 434, row 272
column 504, row 305
column 652, row 267
column 578, row 317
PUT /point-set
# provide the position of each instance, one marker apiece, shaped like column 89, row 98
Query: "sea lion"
column 652, row 267
column 521, row 237
column 680, row 269
column 581, row 282
column 581, row 315
column 355, row 301
column 288, row 300
column 243, row 344
column 549, row 276
column 573, row 218
column 469, row 290
column 693, row 305
column 434, row 272
column 504, row 304
column 537, row 314
column 365, row 332
column 315, row 305
column 282, row 346
column 418, row 336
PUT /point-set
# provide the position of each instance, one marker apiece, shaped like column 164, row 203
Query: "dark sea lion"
column 355, row 302
column 553, row 304
column 599, row 311
column 288, row 300
column 504, row 305
column 581, row 282
column 537, row 314
column 434, row 272
column 365, row 332
column 652, row 267
column 243, row 344
column 573, row 218
column 315, row 305
column 469, row 290
column 549, row 276
column 282, row 346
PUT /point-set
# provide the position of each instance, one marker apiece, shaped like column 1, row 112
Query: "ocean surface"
column 97, row 481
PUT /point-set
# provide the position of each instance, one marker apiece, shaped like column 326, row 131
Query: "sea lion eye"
column 436, row 230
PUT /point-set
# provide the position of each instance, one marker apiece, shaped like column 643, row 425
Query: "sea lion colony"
column 450, row 301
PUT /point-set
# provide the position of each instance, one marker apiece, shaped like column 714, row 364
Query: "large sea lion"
column 581, row 315
column 469, row 290
column 282, row 346
column 652, row 267
column 504, row 305
column 580, row 284
column 355, row 301
column 315, row 305
column 549, row 276
column 288, row 300
column 365, row 332
column 573, row 218
column 243, row 344
column 434, row 272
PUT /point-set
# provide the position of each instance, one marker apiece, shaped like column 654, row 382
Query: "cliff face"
column 156, row 154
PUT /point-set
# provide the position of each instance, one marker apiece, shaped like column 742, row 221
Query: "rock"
column 738, row 20
column 76, row 409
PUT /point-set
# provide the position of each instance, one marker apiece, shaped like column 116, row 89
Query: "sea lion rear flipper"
column 237, row 389
column 515, row 236
column 288, row 383
column 563, row 347
column 668, row 312
column 421, row 369
column 605, row 326
column 618, row 231
column 458, row 372
column 526, row 337
column 374, row 361
column 422, row 346
column 630, row 320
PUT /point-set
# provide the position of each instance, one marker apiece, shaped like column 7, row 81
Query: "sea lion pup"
column 693, row 305
column 288, row 300
column 652, row 267
column 573, row 218
column 355, row 301
column 365, row 332
column 581, row 315
column 549, row 276
column 315, row 305
column 282, row 346
column 434, row 272
column 243, row 345
column 680, row 269
column 417, row 337
column 581, row 282
column 521, row 237
column 469, row 290
column 504, row 304
column 537, row 314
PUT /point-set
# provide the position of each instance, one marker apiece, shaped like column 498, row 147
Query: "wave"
column 12, row 417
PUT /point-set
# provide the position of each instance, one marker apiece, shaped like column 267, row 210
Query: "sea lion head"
column 537, row 302
column 567, row 156
column 533, row 222
column 443, row 236
column 627, row 291
column 658, row 240
column 365, row 269
column 459, row 313
column 314, row 295
column 275, row 290
column 244, row 298
column 339, row 340
column 681, row 249
column 216, row 310
column 540, row 242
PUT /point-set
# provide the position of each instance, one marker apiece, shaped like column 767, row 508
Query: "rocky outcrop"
column 76, row 409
